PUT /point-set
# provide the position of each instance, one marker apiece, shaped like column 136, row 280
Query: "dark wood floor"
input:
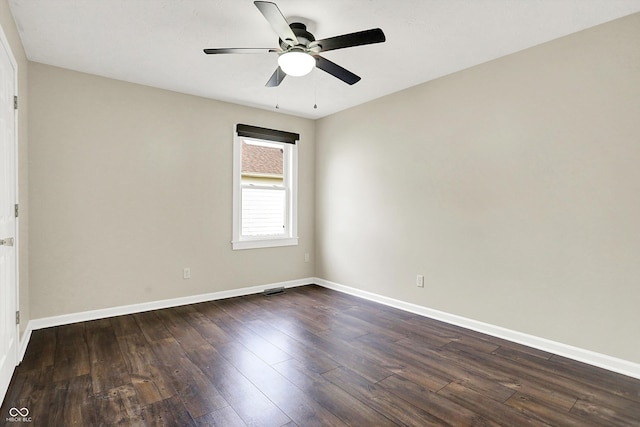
column 308, row 357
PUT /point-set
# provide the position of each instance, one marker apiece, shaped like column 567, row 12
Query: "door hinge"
column 17, row 317
column 15, row 102
column 15, row 210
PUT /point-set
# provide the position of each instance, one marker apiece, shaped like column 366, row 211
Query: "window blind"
column 268, row 134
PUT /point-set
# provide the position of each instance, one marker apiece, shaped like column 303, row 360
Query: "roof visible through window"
column 262, row 159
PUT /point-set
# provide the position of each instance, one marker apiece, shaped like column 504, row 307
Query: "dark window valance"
column 268, row 134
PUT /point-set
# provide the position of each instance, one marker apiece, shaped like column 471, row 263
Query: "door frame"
column 4, row 43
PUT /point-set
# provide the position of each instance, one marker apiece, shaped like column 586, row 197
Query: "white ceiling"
column 159, row 42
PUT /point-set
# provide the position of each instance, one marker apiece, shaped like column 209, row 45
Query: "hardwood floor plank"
column 207, row 328
column 346, row 407
column 224, row 417
column 343, row 332
column 301, row 408
column 119, row 406
column 179, row 328
column 433, row 403
column 124, row 325
column 56, row 401
column 240, row 332
column 398, row 410
column 41, row 350
column 234, row 326
column 467, row 343
column 456, row 336
column 369, row 325
column 79, row 407
column 313, row 360
column 151, row 326
column 584, row 380
column 437, row 374
column 539, row 410
column 241, row 308
column 519, row 352
column 167, row 413
column 489, row 375
column 147, row 377
column 425, row 338
column 395, row 321
column 487, row 407
column 318, row 294
column 411, row 369
column 547, row 382
column 196, row 392
column 71, row 355
column 339, row 351
column 596, row 377
column 262, row 348
column 608, row 415
column 251, row 405
column 108, row 369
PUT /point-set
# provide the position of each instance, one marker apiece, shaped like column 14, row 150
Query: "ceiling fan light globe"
column 296, row 64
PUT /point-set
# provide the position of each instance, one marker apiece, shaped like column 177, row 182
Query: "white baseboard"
column 65, row 319
column 24, row 342
column 604, row 361
column 575, row 353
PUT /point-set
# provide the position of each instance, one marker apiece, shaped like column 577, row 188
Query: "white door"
column 8, row 271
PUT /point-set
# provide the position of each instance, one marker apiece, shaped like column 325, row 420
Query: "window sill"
column 264, row 243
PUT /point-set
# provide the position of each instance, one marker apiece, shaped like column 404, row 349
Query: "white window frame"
column 290, row 178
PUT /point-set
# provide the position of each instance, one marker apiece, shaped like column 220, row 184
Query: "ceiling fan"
column 299, row 51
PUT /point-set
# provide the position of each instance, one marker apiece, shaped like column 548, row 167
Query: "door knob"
column 6, row 242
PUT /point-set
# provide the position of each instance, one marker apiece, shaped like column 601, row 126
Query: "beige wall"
column 513, row 186
column 130, row 184
column 11, row 32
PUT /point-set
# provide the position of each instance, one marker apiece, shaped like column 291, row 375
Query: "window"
column 264, row 193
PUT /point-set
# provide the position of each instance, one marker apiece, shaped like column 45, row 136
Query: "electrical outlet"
column 186, row 273
column 420, row 281
column 306, row 257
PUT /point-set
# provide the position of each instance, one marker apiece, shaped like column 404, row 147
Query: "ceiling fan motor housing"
column 304, row 37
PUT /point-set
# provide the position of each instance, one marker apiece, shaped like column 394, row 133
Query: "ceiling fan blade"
column 360, row 38
column 278, row 22
column 336, row 70
column 276, row 78
column 239, row 50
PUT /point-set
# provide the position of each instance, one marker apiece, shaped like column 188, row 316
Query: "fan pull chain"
column 315, row 92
